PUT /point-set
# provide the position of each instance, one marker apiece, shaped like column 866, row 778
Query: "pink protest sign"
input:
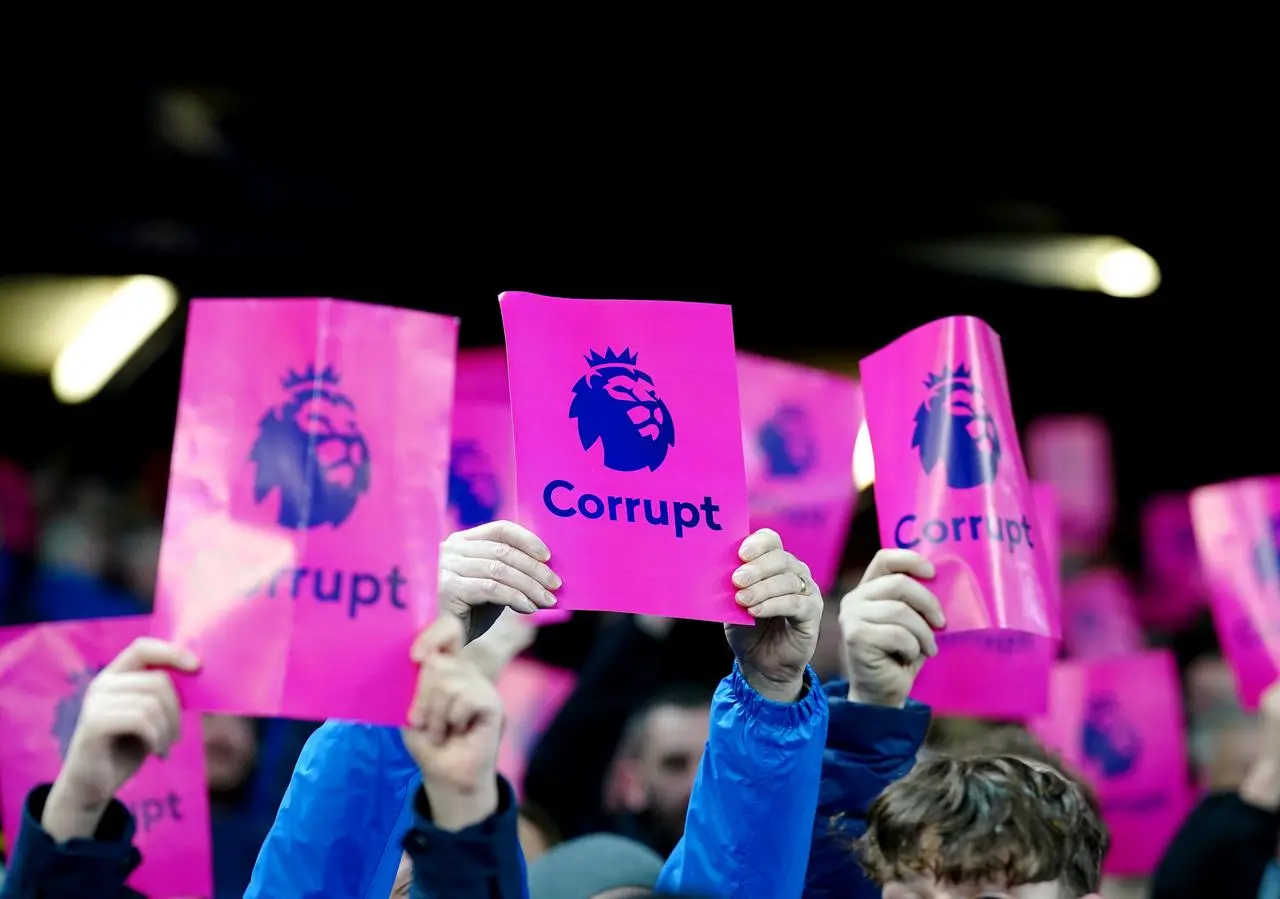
column 1046, row 500
column 1073, row 452
column 1119, row 722
column 532, row 695
column 1099, row 616
column 306, row 505
column 799, row 425
column 629, row 450
column 1237, row 527
column 43, row 677
column 997, row 674
column 482, row 465
column 1175, row 589
column 950, row 480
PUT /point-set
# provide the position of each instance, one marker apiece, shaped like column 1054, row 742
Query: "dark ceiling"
column 368, row 194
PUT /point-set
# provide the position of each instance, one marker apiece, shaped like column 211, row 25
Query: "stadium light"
column 114, row 332
column 864, row 464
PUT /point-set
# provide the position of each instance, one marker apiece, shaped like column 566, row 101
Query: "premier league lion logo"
column 617, row 404
column 1108, row 741
column 474, row 495
column 311, row 450
column 954, row 426
column 788, row 443
column 67, row 712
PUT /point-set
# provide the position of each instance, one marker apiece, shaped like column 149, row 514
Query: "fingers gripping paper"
column 306, row 504
column 950, row 479
column 43, row 677
column 799, row 425
column 482, row 465
column 629, row 450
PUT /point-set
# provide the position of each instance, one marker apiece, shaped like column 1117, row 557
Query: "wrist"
column 869, row 697
column 780, row 691
column 68, row 816
column 454, row 808
column 1261, row 786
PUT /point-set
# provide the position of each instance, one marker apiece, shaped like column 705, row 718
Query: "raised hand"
column 888, row 622
column 778, row 591
column 491, row 566
column 130, row 711
column 455, row 724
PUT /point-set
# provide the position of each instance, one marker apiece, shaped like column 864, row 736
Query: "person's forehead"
column 672, row 724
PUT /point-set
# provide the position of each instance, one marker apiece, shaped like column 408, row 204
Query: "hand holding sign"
column 130, row 711
column 888, row 622
column 494, row 565
column 777, row 590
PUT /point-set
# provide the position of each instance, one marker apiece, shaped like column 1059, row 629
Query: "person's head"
column 659, row 754
column 984, row 826
column 230, row 750
column 595, row 866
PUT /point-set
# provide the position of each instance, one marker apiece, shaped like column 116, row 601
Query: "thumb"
column 445, row 636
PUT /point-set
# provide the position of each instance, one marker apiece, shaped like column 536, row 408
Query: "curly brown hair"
column 1001, row 819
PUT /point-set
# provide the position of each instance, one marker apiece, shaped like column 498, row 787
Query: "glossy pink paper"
column 1119, row 722
column 996, row 674
column 1175, row 590
column 1237, row 525
column 798, row 429
column 482, row 465
column 532, row 695
column 1073, row 452
column 306, row 505
column 629, row 450
column 1100, row 616
column 43, row 674
column 950, row 480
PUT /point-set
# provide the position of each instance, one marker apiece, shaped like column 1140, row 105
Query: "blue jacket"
column 868, row 748
column 748, row 830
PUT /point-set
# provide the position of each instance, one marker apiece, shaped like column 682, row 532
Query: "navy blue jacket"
column 481, row 861
column 868, row 748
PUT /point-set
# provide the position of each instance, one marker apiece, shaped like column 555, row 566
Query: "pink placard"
column 1119, row 722
column 43, row 676
column 997, row 674
column 1046, row 500
column 532, row 695
column 1175, row 591
column 1099, row 616
column 1073, row 452
column 799, row 425
column 950, row 480
column 1237, row 527
column 628, row 450
column 306, row 505
column 482, row 464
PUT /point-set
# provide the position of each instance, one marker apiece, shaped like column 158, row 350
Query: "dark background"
column 359, row 195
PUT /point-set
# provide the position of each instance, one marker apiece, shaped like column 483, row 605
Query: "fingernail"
column 742, row 596
column 929, row 570
column 753, row 611
column 744, row 550
column 544, row 554
column 189, row 659
column 555, row 581
column 526, row 606
column 548, row 598
column 741, row 578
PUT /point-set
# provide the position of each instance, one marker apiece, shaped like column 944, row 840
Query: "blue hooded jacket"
column 351, row 800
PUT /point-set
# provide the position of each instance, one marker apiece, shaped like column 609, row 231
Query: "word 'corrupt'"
column 910, row 531
column 558, row 497
column 352, row 589
column 155, row 810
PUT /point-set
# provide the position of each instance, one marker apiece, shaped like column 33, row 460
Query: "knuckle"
column 494, row 569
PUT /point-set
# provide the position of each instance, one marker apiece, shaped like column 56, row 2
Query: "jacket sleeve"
column 339, row 827
column 1222, row 849
column 43, row 869
column 483, row 861
column 750, row 817
column 868, row 748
